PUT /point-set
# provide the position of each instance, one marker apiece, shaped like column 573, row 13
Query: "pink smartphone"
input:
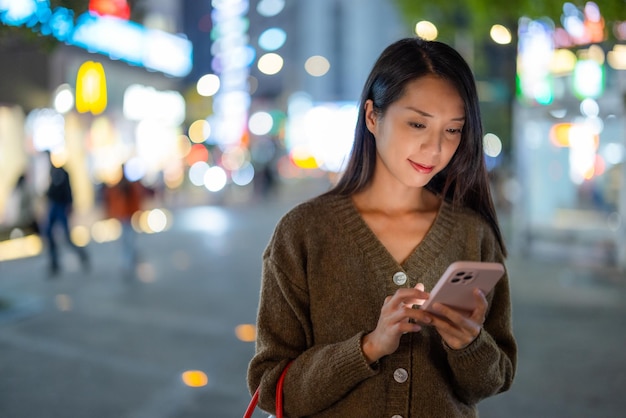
column 457, row 283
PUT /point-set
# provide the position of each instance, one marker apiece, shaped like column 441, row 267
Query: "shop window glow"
column 588, row 79
column 535, row 55
column 91, row 88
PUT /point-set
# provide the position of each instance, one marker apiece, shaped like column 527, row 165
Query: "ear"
column 371, row 119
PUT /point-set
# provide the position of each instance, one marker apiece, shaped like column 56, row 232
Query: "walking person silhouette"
column 60, row 202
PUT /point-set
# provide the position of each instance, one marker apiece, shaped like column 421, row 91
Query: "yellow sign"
column 91, row 88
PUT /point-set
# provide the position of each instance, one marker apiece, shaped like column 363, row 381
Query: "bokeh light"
column 589, row 107
column 426, row 30
column 317, row 66
column 270, row 63
column 269, row 8
column 272, row 39
column 195, row 378
column 197, row 154
column 64, row 99
column 234, row 158
column 492, row 145
column 617, row 56
column 80, row 235
column 15, row 248
column 244, row 175
column 196, row 173
column 500, row 34
column 156, row 220
column 46, row 127
column 563, row 62
column 215, row 179
column 106, row 230
column 199, row 131
column 208, row 85
column 261, row 123
column 246, row 332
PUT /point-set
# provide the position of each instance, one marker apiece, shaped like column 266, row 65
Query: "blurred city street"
column 97, row 345
column 200, row 123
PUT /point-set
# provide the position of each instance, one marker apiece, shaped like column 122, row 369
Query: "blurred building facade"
column 106, row 94
column 204, row 96
column 117, row 89
column 570, row 138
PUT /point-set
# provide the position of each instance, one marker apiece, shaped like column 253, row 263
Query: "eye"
column 455, row 131
column 416, row 125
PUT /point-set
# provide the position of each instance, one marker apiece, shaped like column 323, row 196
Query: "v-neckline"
column 377, row 254
column 413, row 251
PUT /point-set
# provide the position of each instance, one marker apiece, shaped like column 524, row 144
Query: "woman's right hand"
column 397, row 317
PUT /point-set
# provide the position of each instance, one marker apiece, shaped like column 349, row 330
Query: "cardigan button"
column 399, row 278
column 397, row 416
column 400, row 375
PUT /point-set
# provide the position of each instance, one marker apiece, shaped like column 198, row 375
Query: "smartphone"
column 455, row 287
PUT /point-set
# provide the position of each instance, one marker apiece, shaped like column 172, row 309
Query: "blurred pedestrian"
column 25, row 198
column 343, row 271
column 264, row 157
column 60, row 203
column 121, row 201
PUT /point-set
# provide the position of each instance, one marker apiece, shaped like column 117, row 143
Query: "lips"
column 424, row 169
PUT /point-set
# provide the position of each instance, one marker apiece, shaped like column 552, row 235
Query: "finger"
column 410, row 296
column 478, row 315
column 456, row 335
column 419, row 316
column 420, row 287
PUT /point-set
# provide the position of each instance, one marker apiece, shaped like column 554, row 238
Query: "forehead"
column 434, row 92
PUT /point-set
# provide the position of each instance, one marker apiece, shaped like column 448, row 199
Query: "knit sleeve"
column 487, row 366
column 321, row 374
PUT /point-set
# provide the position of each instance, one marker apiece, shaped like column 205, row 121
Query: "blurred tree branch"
column 477, row 16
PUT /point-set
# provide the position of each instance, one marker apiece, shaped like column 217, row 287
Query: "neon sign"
column 108, row 35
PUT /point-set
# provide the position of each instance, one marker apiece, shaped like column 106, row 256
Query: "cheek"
column 449, row 149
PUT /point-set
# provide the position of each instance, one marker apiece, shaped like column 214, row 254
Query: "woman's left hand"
column 459, row 328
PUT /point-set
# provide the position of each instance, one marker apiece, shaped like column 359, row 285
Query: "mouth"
column 424, row 169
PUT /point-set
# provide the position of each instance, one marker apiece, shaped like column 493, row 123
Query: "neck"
column 396, row 199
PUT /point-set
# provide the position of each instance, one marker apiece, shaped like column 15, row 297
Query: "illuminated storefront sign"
column 105, row 34
column 91, row 88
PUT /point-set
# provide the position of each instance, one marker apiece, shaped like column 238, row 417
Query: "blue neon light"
column 107, row 35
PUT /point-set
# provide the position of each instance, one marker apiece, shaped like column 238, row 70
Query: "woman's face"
column 419, row 133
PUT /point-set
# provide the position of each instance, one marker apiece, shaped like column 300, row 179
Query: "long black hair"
column 464, row 182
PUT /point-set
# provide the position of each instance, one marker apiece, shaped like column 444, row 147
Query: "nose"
column 432, row 143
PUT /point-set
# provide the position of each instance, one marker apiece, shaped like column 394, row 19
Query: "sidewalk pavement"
column 95, row 345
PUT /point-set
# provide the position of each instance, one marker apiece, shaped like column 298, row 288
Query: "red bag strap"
column 252, row 404
column 279, row 397
column 279, row 392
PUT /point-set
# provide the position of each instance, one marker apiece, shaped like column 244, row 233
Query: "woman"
column 342, row 271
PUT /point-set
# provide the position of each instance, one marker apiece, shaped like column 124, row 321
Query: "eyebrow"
column 428, row 115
